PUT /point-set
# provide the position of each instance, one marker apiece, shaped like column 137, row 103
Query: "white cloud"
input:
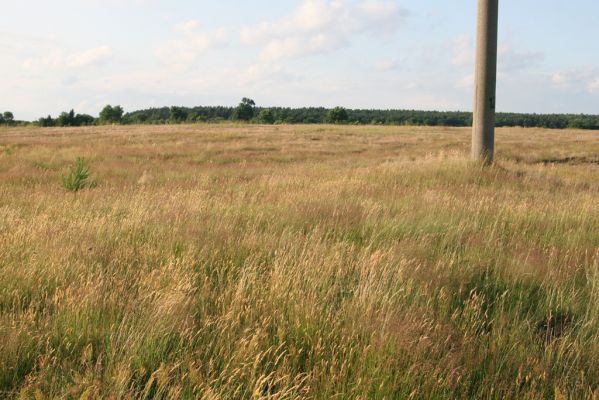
column 577, row 79
column 95, row 56
column 182, row 53
column 291, row 47
column 57, row 58
column 561, row 78
column 514, row 64
column 466, row 82
column 512, row 59
column 388, row 65
column 117, row 3
column 320, row 26
column 188, row 27
column 266, row 73
column 463, row 51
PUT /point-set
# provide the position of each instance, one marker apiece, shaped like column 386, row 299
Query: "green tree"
column 8, row 117
column 84, row 120
column 192, row 117
column 245, row 110
column 337, row 115
column 66, row 119
column 266, row 116
column 46, row 122
column 177, row 114
column 111, row 115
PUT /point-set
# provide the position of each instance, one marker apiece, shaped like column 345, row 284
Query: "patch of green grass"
column 78, row 177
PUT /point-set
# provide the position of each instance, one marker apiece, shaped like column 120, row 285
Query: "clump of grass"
column 78, row 177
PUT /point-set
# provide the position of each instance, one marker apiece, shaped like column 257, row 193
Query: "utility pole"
column 483, row 125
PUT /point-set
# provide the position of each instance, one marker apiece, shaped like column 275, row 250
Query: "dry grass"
column 288, row 262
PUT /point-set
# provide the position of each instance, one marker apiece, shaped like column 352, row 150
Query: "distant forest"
column 248, row 112
column 319, row 115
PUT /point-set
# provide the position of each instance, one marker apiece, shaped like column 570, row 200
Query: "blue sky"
column 417, row 54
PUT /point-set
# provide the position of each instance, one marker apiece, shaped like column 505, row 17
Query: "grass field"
column 298, row 262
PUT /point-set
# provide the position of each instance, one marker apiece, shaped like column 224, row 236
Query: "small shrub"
column 78, row 177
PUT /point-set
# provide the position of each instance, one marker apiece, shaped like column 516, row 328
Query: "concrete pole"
column 483, row 128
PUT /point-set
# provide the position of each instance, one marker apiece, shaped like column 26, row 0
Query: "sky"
column 409, row 54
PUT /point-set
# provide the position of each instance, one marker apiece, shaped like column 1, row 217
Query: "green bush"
column 78, row 177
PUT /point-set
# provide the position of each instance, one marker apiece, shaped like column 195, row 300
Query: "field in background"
column 287, row 262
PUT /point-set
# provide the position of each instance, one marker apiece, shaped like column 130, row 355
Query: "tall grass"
column 234, row 262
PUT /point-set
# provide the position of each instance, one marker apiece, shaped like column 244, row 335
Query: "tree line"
column 108, row 115
column 248, row 111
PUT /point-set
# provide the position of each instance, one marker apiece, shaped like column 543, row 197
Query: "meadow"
column 298, row 262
